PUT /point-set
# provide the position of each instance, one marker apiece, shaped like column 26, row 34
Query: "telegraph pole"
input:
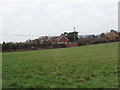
column 74, row 34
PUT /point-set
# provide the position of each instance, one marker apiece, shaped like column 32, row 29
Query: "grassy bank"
column 91, row 66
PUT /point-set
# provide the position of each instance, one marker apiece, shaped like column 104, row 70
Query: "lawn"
column 91, row 66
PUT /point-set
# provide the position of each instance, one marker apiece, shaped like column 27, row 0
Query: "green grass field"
column 92, row 66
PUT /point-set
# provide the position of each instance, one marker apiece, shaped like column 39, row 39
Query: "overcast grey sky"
column 53, row 17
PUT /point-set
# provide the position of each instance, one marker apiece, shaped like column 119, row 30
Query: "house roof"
column 64, row 37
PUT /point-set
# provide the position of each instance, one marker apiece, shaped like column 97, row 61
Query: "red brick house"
column 62, row 40
column 59, row 40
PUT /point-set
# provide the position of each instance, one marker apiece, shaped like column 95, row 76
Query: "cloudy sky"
column 29, row 19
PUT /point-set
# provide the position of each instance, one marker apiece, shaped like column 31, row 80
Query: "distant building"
column 84, row 36
column 62, row 40
column 59, row 40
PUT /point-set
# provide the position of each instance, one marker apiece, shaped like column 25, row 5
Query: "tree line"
column 112, row 36
column 46, row 43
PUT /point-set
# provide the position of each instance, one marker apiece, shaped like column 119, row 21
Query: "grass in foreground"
column 93, row 66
